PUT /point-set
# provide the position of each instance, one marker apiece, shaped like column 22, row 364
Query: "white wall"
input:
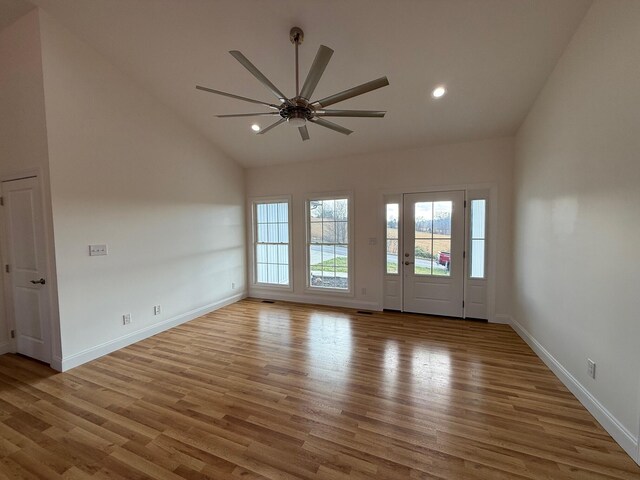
column 368, row 176
column 23, row 135
column 127, row 172
column 576, row 228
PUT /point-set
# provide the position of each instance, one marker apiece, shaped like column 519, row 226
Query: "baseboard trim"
column 501, row 319
column 610, row 423
column 5, row 347
column 332, row 301
column 67, row 363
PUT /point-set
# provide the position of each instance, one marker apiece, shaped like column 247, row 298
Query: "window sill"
column 272, row 287
column 329, row 291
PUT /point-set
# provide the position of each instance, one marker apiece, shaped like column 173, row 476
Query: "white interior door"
column 27, row 267
column 432, row 260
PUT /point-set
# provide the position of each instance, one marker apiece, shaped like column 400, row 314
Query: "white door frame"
column 445, row 294
column 492, row 226
column 53, row 327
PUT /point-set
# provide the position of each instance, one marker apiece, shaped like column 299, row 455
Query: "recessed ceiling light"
column 439, row 91
column 255, row 127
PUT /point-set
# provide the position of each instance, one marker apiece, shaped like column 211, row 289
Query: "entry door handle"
column 408, row 263
column 42, row 281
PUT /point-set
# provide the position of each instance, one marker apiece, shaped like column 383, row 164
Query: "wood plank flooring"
column 286, row 391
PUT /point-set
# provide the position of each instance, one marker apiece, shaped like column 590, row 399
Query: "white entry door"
column 26, row 257
column 432, row 259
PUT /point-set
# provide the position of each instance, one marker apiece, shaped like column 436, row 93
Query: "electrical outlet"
column 363, row 291
column 591, row 368
column 157, row 310
column 97, row 250
column 233, row 286
column 126, row 319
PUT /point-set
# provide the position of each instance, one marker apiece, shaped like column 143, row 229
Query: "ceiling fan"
column 299, row 109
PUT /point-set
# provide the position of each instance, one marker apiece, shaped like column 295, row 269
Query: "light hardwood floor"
column 286, row 391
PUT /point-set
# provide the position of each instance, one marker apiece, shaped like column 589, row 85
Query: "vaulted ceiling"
column 11, row 10
column 493, row 55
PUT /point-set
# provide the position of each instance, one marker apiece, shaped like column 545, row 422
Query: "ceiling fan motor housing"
column 297, row 114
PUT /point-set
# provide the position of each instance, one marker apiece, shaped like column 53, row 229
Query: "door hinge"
column 465, row 204
column 464, row 254
column 7, row 268
column 462, row 303
column 2, row 201
column 13, row 334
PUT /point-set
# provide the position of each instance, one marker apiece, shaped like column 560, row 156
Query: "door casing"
column 434, row 294
column 52, row 326
column 490, row 192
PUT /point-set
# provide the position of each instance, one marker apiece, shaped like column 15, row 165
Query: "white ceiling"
column 493, row 55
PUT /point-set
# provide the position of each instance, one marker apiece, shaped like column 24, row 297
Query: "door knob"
column 42, row 281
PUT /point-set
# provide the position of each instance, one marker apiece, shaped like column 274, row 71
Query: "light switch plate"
column 591, row 368
column 96, row 250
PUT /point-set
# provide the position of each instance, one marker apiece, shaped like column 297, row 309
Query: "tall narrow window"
column 393, row 211
column 478, row 238
column 271, row 234
column 328, row 243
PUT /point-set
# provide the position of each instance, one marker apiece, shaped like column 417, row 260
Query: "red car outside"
column 444, row 258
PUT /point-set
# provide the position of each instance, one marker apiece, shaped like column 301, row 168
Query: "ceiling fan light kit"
column 299, row 110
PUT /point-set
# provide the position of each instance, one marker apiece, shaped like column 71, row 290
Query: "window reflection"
column 430, row 369
column 274, row 328
column 390, row 366
column 330, row 347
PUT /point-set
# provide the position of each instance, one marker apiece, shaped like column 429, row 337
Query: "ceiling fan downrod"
column 296, row 35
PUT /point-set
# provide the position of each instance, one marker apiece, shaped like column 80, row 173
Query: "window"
column 328, row 243
column 478, row 237
column 433, row 238
column 271, row 240
column 393, row 212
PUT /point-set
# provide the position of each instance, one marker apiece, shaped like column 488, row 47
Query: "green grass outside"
column 392, row 267
column 341, row 265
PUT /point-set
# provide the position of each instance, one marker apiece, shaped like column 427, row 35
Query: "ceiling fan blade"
column 259, row 75
column 237, row 97
column 331, row 125
column 248, row 114
column 273, row 125
column 352, row 92
column 315, row 72
column 304, row 133
column 350, row 113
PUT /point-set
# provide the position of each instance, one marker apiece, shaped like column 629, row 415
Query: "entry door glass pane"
column 393, row 211
column 432, row 238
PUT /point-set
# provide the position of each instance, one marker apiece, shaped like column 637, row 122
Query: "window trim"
column 254, row 242
column 349, row 292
